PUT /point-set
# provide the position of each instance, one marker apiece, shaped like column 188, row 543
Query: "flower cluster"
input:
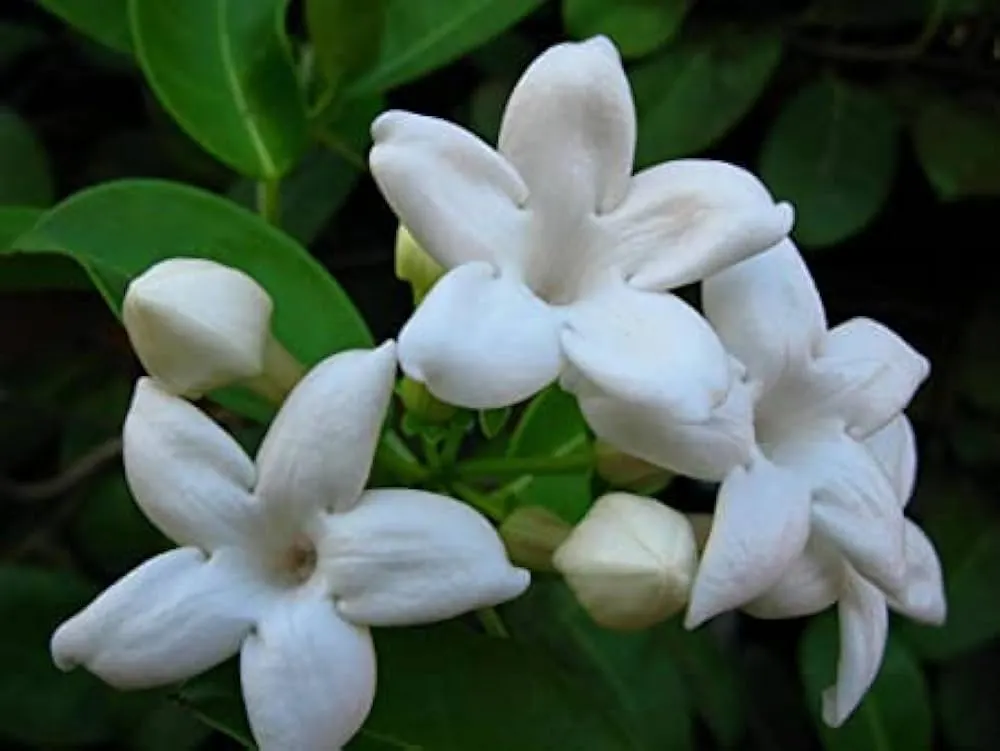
column 546, row 260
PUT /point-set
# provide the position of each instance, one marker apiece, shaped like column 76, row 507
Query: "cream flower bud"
column 197, row 325
column 630, row 562
column 415, row 266
column 532, row 534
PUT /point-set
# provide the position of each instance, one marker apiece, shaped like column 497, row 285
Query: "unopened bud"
column 197, row 325
column 415, row 266
column 630, row 562
column 629, row 472
column 532, row 534
column 422, row 403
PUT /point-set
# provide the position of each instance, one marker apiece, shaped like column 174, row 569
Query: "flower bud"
column 629, row 472
column 422, row 403
column 197, row 325
column 532, row 534
column 630, row 562
column 415, row 266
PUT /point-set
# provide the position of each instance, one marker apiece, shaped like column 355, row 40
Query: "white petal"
column 308, row 677
column 647, row 348
column 569, row 129
column 866, row 375
column 319, row 449
column 171, row 618
column 854, row 506
column 404, row 557
column 864, row 623
column 767, row 312
column 650, row 431
column 922, row 597
column 481, row 340
column 811, row 583
column 189, row 477
column 895, row 447
column 761, row 525
column 458, row 198
column 684, row 220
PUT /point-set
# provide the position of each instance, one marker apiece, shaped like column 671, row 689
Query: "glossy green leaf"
column 895, row 714
column 832, row 152
column 345, row 35
column 103, row 20
column 420, row 37
column 446, row 688
column 41, row 707
column 712, row 680
column 552, row 425
column 121, row 228
column 223, row 69
column 964, row 526
column 638, row 27
column 695, row 91
column 633, row 676
column 959, row 148
column 25, row 177
column 22, row 273
column 967, row 691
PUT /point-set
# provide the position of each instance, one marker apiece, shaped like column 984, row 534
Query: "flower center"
column 298, row 562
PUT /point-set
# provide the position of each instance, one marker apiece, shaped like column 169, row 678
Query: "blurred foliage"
column 880, row 121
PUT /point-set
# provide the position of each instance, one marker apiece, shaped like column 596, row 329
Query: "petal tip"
column 784, row 216
column 603, row 44
column 386, row 124
column 61, row 647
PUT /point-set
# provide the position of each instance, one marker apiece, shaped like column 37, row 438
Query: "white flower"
column 197, row 325
column 287, row 562
column 821, row 576
column 559, row 259
column 788, row 442
column 630, row 561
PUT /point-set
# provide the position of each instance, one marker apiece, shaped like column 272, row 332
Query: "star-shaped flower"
column 788, row 444
column 559, row 258
column 821, row 576
column 287, row 562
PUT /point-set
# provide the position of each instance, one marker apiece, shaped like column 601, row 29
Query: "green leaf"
column 121, row 228
column 777, row 718
column 15, row 40
column 476, row 692
column 25, row 177
column 223, row 69
column 959, row 148
column 712, row 680
column 832, row 152
column 103, row 20
column 632, row 676
column 420, row 37
column 964, row 526
column 345, row 35
column 692, row 94
column 552, row 425
column 638, row 27
column 966, row 701
column 492, row 421
column 40, row 706
column 431, row 696
column 896, row 711
column 20, row 273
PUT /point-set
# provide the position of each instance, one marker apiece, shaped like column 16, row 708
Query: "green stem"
column 530, row 465
column 486, row 503
column 492, row 623
column 269, row 201
column 393, row 455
